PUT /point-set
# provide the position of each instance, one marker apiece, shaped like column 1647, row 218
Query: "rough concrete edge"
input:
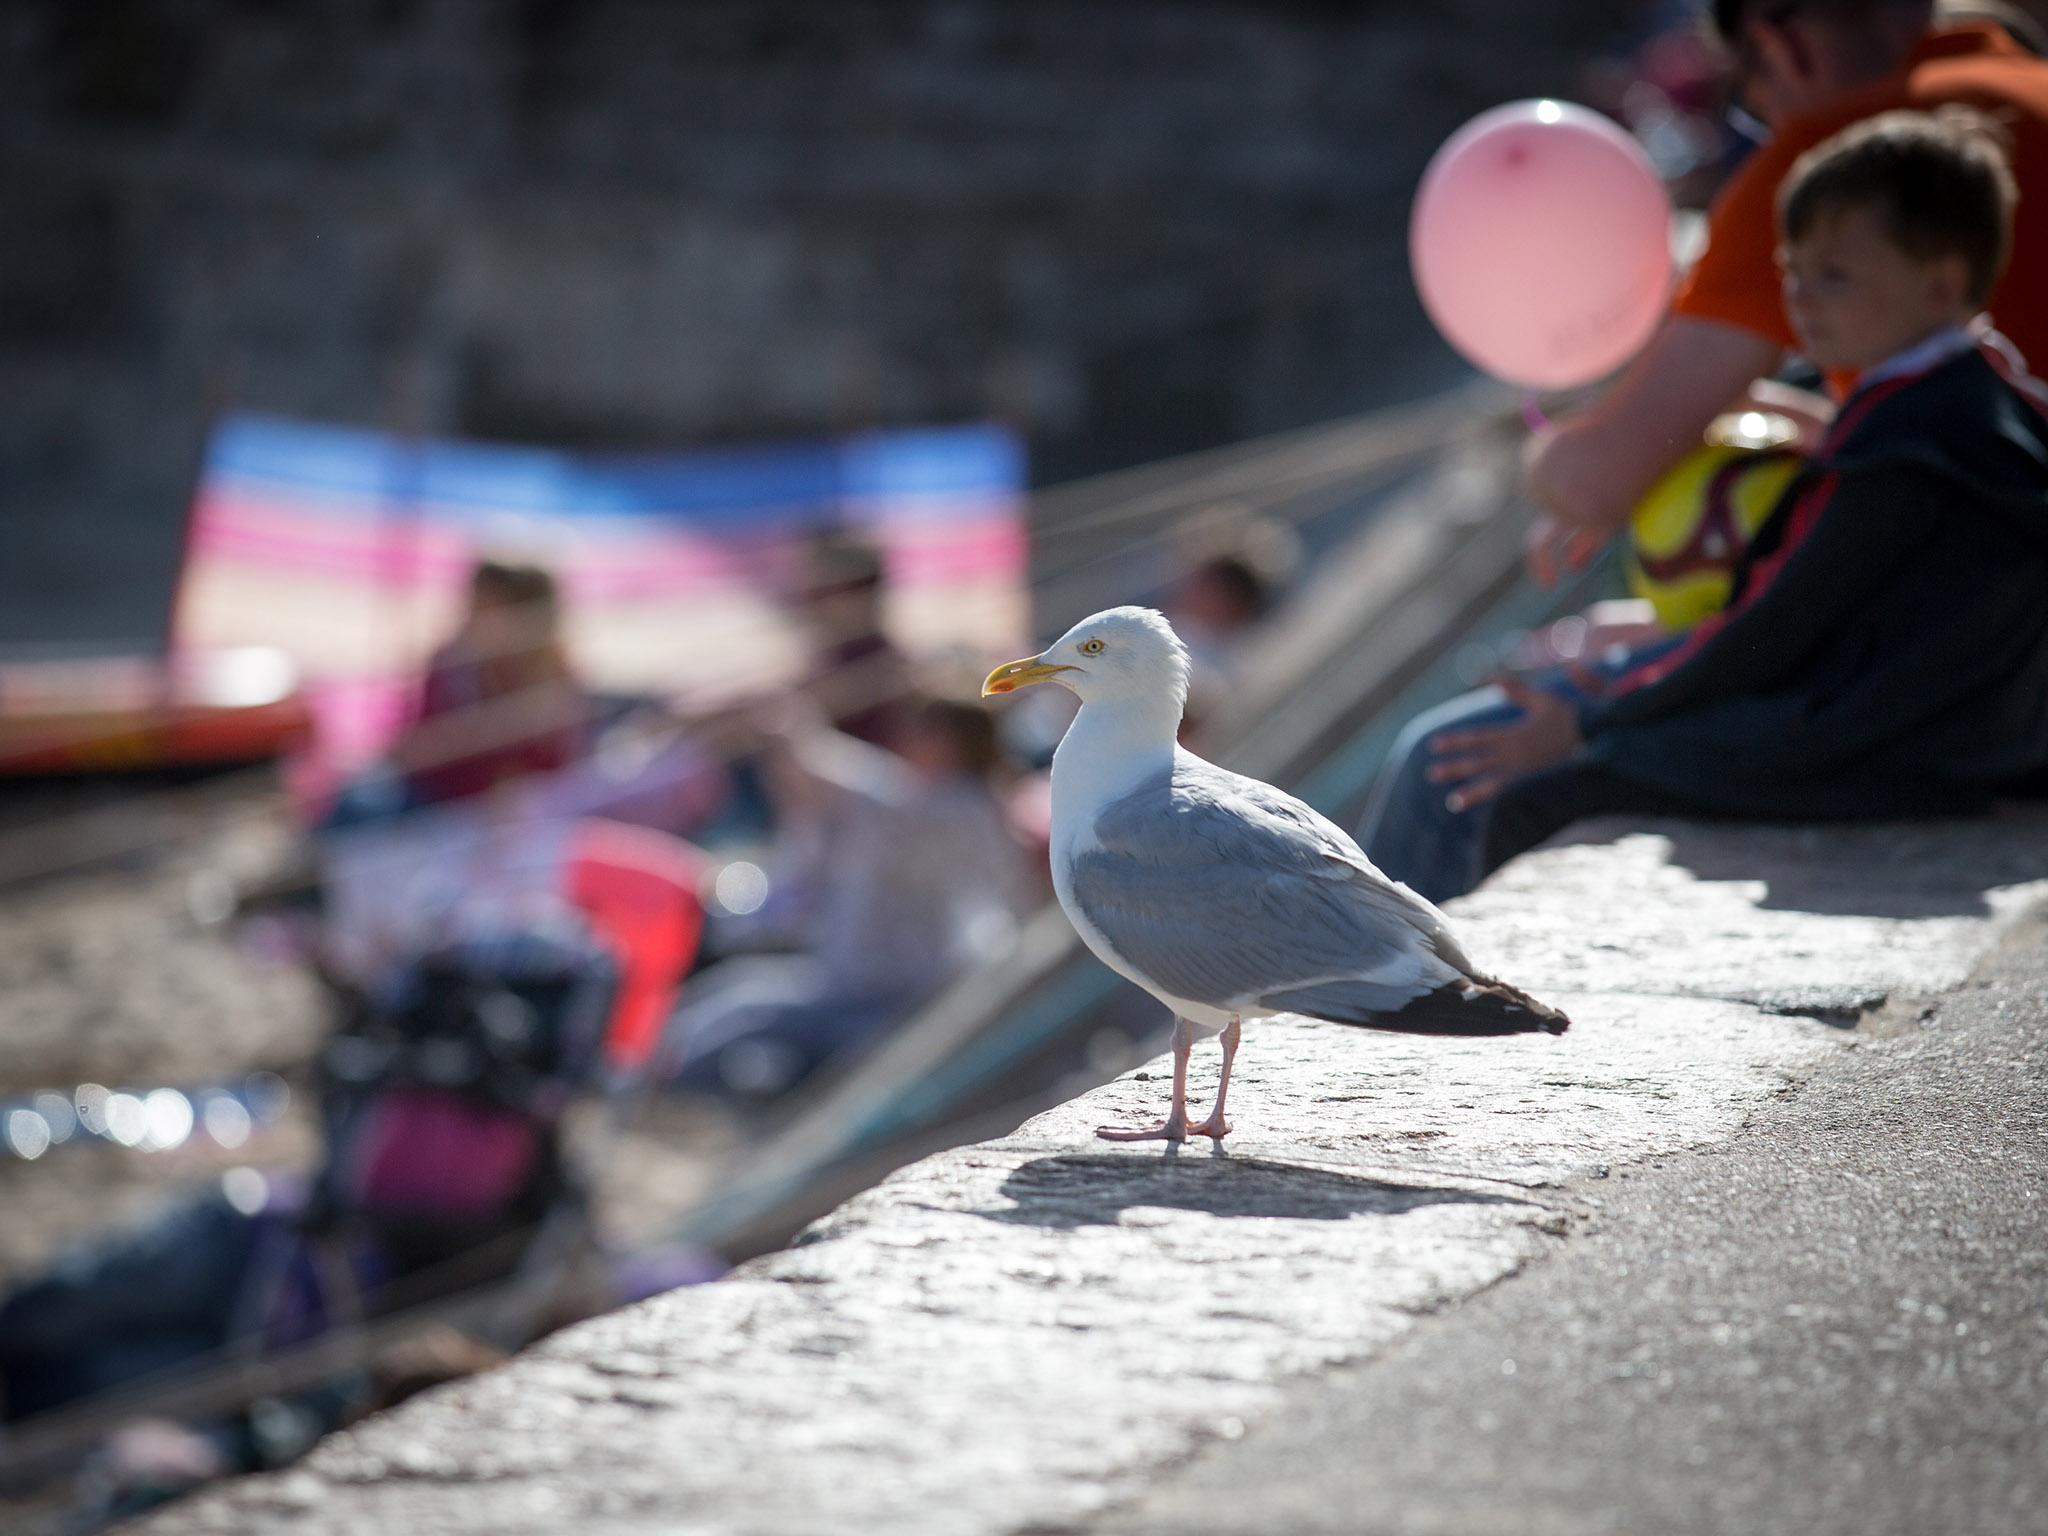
column 1560, row 1215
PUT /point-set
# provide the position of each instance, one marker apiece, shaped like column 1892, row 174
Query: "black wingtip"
column 1460, row 1008
column 1471, row 1005
column 1548, row 1019
column 1512, row 1004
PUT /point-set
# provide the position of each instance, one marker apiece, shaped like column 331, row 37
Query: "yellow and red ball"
column 1689, row 532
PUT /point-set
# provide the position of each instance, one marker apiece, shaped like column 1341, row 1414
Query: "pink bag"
column 426, row 1152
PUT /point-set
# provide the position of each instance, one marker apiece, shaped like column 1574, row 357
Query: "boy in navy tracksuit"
column 1886, row 650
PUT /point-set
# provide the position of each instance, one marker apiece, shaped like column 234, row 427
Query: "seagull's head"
column 1120, row 654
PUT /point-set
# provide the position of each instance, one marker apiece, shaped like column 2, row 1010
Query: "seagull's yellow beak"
column 1012, row 675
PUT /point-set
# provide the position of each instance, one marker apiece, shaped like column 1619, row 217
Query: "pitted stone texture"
column 1636, row 1076
column 1011, row 1334
column 1825, row 920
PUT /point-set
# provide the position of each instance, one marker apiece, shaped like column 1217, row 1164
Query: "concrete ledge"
column 1013, row 1336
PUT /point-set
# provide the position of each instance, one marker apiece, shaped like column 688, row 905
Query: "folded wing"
column 1224, row 891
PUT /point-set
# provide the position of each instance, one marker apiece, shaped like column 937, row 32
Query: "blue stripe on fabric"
column 353, row 469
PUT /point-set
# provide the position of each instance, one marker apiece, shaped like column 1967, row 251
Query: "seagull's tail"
column 1517, row 1010
column 1467, row 1006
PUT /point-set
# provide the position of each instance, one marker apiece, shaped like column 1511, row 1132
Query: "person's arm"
column 1726, row 328
column 1587, row 474
column 814, row 769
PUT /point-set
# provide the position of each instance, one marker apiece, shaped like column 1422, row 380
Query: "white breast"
column 1106, row 754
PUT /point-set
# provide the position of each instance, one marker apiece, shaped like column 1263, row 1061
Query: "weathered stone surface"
column 1009, row 1336
column 1831, row 1326
column 1825, row 920
column 1027, row 1324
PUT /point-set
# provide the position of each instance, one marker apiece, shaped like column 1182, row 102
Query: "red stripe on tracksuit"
column 1805, row 513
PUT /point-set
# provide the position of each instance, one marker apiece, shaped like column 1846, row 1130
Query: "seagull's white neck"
column 1112, row 747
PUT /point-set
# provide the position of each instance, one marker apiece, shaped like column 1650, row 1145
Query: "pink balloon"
column 1541, row 244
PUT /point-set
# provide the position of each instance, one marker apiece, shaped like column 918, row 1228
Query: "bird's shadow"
column 1066, row 1192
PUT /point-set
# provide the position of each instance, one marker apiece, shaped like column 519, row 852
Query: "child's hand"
column 1480, row 760
column 1552, row 550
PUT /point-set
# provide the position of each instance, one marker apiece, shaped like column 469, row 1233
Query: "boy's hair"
column 1939, row 180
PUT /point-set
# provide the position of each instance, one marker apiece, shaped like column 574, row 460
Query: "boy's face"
column 1854, row 297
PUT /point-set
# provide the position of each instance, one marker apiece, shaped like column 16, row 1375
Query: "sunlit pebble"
column 226, row 1121
column 741, row 888
column 28, row 1133
column 91, row 1100
column 127, row 1119
column 245, row 1189
column 57, row 1110
column 169, row 1115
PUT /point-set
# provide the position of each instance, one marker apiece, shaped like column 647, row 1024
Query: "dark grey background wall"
column 1133, row 226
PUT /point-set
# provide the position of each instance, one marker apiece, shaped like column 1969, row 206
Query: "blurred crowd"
column 868, row 836
column 540, row 895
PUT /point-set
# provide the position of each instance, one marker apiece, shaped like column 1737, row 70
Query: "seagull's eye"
column 1091, row 647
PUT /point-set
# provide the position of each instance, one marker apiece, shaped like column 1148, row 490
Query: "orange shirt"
column 1735, row 280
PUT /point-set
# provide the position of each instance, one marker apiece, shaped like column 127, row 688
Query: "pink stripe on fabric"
column 279, row 538
column 354, row 720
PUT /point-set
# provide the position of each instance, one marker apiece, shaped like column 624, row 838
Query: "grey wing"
column 1330, row 848
column 1224, row 891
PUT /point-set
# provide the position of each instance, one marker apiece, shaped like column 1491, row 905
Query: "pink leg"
column 1216, row 1127
column 1175, row 1126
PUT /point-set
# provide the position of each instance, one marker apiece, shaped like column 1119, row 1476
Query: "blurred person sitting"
column 895, row 873
column 862, row 678
column 1886, row 649
column 1238, row 565
column 1806, row 69
column 499, row 702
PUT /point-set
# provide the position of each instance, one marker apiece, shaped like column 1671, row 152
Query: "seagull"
column 1221, row 896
